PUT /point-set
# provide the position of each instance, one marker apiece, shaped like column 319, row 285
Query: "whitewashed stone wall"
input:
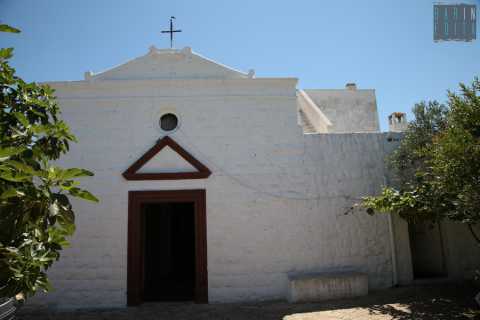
column 350, row 110
column 275, row 200
column 462, row 253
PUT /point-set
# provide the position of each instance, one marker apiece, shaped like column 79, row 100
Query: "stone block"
column 326, row 286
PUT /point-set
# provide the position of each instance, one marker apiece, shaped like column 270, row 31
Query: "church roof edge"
column 170, row 64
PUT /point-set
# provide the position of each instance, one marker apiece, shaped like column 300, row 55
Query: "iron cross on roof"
column 171, row 31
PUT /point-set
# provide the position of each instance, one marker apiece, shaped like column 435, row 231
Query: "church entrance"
column 169, row 251
column 167, row 258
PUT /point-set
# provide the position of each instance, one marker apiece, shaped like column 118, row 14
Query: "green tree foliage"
column 438, row 164
column 7, row 28
column 36, row 216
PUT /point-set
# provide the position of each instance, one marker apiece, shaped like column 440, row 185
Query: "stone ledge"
column 326, row 286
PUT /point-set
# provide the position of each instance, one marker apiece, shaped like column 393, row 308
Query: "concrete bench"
column 326, row 286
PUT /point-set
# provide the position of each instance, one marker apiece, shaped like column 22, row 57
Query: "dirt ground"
column 433, row 302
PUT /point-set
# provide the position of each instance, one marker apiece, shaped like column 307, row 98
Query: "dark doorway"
column 428, row 257
column 169, row 256
column 167, row 246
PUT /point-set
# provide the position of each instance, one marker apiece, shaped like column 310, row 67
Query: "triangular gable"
column 168, row 160
column 169, row 64
column 133, row 172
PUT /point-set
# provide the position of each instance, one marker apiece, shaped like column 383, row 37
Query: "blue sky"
column 382, row 44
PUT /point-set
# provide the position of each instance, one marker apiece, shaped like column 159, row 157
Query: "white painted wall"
column 316, row 121
column 275, row 199
column 462, row 253
column 349, row 110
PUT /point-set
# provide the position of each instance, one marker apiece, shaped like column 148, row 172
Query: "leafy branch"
column 437, row 164
column 36, row 216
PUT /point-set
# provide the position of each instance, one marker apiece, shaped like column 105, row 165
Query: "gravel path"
column 435, row 302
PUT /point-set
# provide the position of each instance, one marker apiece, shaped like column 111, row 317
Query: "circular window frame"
column 159, row 122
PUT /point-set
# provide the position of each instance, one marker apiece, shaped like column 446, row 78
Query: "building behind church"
column 218, row 186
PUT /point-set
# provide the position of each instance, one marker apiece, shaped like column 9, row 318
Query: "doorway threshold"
column 433, row 280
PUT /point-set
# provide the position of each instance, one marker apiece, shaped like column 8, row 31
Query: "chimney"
column 351, row 86
column 397, row 122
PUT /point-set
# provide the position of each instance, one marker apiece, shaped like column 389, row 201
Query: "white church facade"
column 218, row 186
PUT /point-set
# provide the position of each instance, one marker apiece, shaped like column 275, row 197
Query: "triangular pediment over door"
column 166, row 160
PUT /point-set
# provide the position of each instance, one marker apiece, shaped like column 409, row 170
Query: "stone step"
column 326, row 286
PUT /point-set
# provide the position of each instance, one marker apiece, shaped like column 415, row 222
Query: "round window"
column 168, row 122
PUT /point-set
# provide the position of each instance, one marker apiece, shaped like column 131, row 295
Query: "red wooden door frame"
column 135, row 250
